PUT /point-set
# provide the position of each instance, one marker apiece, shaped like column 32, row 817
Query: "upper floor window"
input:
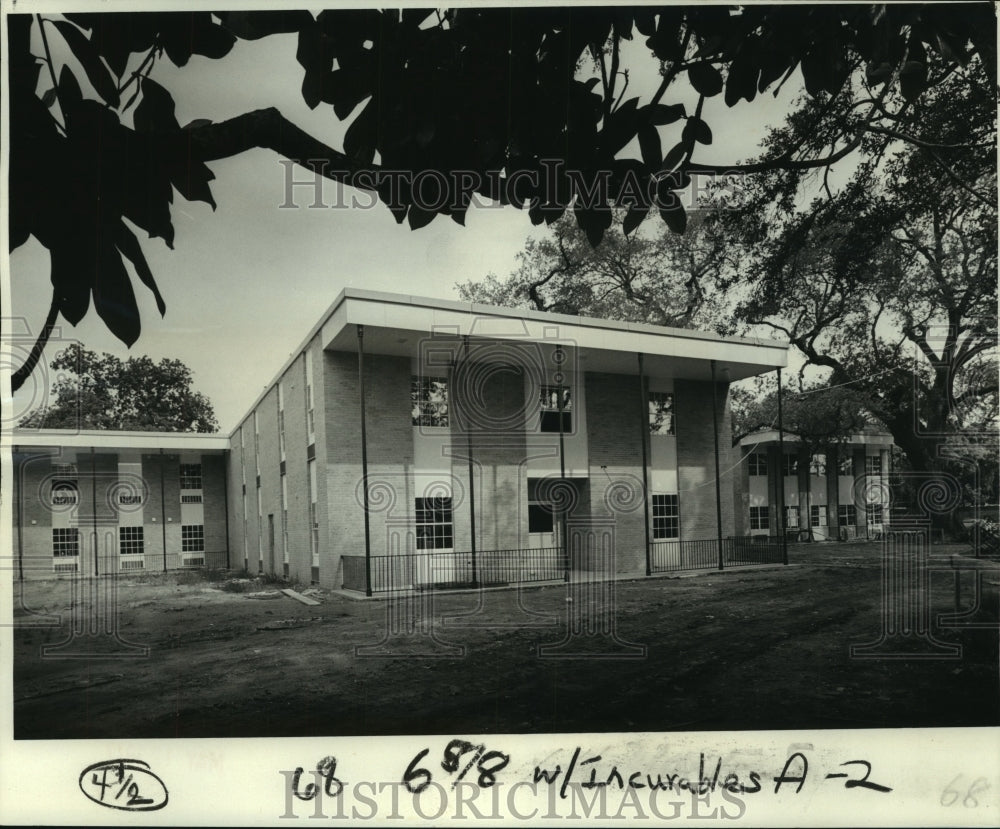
column 817, row 464
column 429, row 401
column 873, row 465
column 661, row 413
column 758, row 463
column 65, row 489
column 190, row 476
column 790, row 465
column 556, row 415
column 310, row 416
column 845, row 463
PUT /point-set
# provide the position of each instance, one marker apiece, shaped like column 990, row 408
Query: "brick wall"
column 614, row 427
column 213, row 482
column 695, row 458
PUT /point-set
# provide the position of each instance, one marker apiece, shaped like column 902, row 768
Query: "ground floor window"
column 846, row 515
column 130, row 541
column 792, row 518
column 873, row 514
column 817, row 515
column 65, row 542
column 435, row 529
column 666, row 517
column 541, row 517
column 758, row 518
column 193, row 538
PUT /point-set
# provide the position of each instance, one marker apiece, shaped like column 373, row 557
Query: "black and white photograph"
column 501, row 406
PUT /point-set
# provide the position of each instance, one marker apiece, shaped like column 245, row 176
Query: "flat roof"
column 395, row 323
column 875, row 437
column 106, row 439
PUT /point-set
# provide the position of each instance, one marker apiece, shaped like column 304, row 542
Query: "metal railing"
column 668, row 556
column 433, row 570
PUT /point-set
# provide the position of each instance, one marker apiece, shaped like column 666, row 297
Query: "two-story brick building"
column 413, row 441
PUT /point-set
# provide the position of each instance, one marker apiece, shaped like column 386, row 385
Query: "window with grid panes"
column 846, row 516
column 429, row 401
column 666, row 517
column 873, row 465
column 551, row 416
column 845, row 463
column 759, row 518
column 65, row 489
column 817, row 515
column 190, row 476
column 661, row 413
column 790, row 465
column 758, row 463
column 65, row 542
column 873, row 514
column 130, row 541
column 192, row 538
column 791, row 517
column 817, row 464
column 433, row 518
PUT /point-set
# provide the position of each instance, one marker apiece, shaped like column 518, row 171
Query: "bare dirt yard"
column 743, row 649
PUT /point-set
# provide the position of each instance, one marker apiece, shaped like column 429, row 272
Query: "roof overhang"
column 404, row 325
column 767, row 436
column 100, row 439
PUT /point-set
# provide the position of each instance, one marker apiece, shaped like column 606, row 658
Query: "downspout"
column 781, row 476
column 225, row 495
column 644, row 437
column 472, row 482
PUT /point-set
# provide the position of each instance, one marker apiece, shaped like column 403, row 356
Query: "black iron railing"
column 668, row 556
column 441, row 570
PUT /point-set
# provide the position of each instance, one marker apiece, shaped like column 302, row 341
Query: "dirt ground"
column 744, row 649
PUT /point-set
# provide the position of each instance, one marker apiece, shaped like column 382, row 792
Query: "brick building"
column 411, row 441
column 840, row 491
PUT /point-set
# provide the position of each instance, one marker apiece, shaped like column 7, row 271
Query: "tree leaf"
column 649, row 144
column 70, row 279
column 198, row 122
column 706, row 79
column 114, row 299
column 676, row 154
column 417, row 217
column 696, row 130
column 913, row 79
column 130, row 247
column 155, row 112
column 661, row 114
column 70, row 96
column 85, row 52
column 634, row 217
column 49, row 97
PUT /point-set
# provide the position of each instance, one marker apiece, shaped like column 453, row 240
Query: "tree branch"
column 18, row 378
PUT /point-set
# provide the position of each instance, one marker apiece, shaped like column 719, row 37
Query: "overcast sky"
column 245, row 283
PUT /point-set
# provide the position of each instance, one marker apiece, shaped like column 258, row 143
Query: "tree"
column 99, row 391
column 659, row 279
column 526, row 106
column 890, row 284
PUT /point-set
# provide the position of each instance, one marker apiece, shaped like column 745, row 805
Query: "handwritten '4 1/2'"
column 458, row 758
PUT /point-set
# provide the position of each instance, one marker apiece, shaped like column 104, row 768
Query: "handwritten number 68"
column 949, row 797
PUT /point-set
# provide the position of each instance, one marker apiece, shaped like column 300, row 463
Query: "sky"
column 245, row 283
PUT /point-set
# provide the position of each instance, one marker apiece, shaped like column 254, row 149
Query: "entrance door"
column 270, row 543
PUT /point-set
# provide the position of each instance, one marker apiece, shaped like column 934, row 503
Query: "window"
column 434, row 523
column 65, row 489
column 133, row 500
column 758, row 518
column 256, row 447
column 873, row 514
column 281, row 421
column 758, row 463
column 429, row 401
column 845, row 463
column 790, row 465
column 65, row 542
column 192, row 538
column 130, row 541
column 873, row 465
column 817, row 464
column 190, row 476
column 541, row 517
column 189, row 498
column 552, row 419
column 666, row 517
column 846, row 517
column 284, row 518
column 791, row 517
column 310, row 416
column 661, row 413
column 313, row 514
column 817, row 515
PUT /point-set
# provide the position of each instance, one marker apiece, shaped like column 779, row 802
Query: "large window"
column 65, row 542
column 790, row 465
column 429, row 401
column 551, row 418
column 541, row 518
column 873, row 514
column 758, row 463
column 845, row 463
column 666, row 517
column 65, row 489
column 759, row 518
column 281, row 421
column 817, row 515
column 190, row 476
column 846, row 516
column 661, row 413
column 192, row 538
column 310, row 415
column 817, row 464
column 130, row 541
column 792, row 518
column 873, row 465
column 434, row 523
